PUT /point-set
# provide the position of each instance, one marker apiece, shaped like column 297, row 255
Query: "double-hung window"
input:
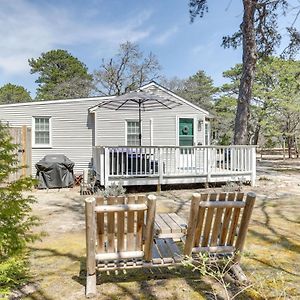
column 42, row 131
column 133, row 131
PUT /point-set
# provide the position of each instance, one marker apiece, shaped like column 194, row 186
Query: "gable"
column 162, row 91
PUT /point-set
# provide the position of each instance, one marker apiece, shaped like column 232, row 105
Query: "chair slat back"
column 121, row 226
column 218, row 222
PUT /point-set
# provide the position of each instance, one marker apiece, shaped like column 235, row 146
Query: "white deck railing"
column 165, row 164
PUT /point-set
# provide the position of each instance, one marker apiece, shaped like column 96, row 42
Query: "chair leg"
column 239, row 273
column 90, row 291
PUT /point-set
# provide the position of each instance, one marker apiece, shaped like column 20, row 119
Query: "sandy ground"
column 273, row 245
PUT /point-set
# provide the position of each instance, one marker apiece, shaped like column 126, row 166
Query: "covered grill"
column 55, row 171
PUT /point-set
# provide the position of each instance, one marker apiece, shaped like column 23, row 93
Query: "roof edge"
column 55, row 101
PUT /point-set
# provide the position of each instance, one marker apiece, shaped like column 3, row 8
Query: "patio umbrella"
column 143, row 101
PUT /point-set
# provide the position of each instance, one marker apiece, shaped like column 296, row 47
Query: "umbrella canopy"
column 143, row 101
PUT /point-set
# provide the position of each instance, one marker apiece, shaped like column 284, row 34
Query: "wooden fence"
column 22, row 137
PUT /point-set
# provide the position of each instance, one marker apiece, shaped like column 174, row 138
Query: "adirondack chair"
column 116, row 239
column 118, row 236
column 218, row 224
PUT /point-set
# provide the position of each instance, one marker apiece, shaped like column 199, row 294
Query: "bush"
column 16, row 220
column 12, row 272
column 114, row 190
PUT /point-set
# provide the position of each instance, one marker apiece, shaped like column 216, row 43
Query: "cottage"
column 85, row 133
column 72, row 127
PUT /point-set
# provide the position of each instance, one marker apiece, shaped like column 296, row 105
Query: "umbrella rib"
column 163, row 104
column 122, row 104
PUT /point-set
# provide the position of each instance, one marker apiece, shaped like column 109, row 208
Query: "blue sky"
column 93, row 29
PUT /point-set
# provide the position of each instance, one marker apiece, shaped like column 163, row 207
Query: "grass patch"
column 271, row 262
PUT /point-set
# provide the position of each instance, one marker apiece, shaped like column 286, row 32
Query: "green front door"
column 186, row 132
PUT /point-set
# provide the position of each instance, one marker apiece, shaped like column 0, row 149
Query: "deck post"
column 209, row 164
column 101, row 165
column 90, row 247
column 106, row 166
column 253, row 166
column 160, row 169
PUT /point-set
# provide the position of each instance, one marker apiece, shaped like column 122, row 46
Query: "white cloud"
column 26, row 30
column 165, row 36
column 208, row 46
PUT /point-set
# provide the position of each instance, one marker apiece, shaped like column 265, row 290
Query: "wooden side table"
column 169, row 225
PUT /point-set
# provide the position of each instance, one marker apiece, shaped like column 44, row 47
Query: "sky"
column 93, row 29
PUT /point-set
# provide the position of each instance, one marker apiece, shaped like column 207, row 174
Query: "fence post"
column 24, row 148
column 253, row 166
column 90, row 247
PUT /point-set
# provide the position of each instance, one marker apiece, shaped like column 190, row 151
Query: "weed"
column 113, row 190
column 230, row 187
column 264, row 178
column 219, row 269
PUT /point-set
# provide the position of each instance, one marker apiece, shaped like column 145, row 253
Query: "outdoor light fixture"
column 200, row 122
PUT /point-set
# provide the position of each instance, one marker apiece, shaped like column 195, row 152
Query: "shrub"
column 12, row 272
column 16, row 220
column 113, row 190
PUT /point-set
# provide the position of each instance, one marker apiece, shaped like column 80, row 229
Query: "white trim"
column 151, row 131
column 177, row 131
column 40, row 146
column 95, row 128
column 56, row 101
column 125, row 132
column 132, row 120
column 176, row 96
column 208, row 133
column 195, row 129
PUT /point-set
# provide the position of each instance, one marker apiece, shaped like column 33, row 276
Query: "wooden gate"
column 22, row 137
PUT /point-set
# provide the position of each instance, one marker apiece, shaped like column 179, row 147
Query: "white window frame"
column 34, row 144
column 126, row 128
column 207, row 123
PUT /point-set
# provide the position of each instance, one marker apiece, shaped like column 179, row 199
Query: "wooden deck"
column 151, row 165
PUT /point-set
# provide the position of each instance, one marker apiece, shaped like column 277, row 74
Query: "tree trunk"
column 289, row 144
column 248, row 73
column 256, row 134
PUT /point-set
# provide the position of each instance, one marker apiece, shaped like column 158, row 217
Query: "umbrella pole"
column 140, row 123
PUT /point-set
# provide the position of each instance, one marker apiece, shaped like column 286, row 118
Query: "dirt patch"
column 272, row 256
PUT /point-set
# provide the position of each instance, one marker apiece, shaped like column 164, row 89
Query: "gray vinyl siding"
column 72, row 128
column 111, row 129
column 74, row 131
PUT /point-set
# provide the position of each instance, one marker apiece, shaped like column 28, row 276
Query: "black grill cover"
column 55, row 171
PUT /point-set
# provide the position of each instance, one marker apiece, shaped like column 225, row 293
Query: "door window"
column 186, row 132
